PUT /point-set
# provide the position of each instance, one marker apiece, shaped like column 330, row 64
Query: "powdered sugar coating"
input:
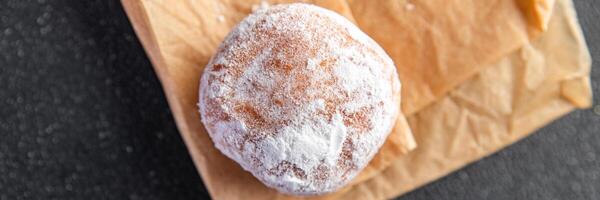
column 299, row 97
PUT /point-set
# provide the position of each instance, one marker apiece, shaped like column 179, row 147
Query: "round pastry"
column 299, row 97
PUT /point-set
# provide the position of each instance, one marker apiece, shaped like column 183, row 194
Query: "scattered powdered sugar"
column 221, row 18
column 262, row 5
column 300, row 97
column 409, row 6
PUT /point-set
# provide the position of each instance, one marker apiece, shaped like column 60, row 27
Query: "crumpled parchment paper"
column 474, row 78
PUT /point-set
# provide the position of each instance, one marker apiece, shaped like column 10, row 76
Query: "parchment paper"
column 439, row 44
column 180, row 36
column 502, row 104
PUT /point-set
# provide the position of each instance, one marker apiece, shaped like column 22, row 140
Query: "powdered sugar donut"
column 299, row 97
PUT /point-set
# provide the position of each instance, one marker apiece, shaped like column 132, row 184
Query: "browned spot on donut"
column 278, row 102
column 253, row 118
column 332, row 102
column 286, row 167
column 214, row 111
column 300, row 84
column 327, row 63
column 217, row 67
column 321, row 172
column 275, row 96
column 330, row 108
column 347, row 37
column 280, row 66
column 345, row 162
column 359, row 120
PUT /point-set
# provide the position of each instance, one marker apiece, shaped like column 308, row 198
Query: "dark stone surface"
column 82, row 116
column 82, row 113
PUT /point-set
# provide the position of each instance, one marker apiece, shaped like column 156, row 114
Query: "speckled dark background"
column 83, row 116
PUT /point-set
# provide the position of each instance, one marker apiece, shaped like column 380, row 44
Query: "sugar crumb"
column 262, row 5
column 409, row 6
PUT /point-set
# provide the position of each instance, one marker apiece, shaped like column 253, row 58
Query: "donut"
column 299, row 97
